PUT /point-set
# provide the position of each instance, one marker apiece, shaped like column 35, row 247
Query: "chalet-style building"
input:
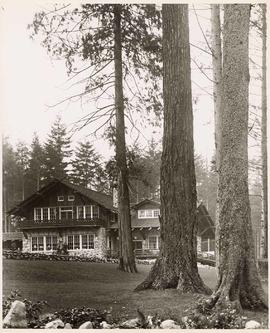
column 84, row 221
column 61, row 215
column 146, row 229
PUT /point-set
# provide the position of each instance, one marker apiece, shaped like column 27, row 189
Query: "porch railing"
column 37, row 224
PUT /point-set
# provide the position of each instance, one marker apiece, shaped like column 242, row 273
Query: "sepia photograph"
column 134, row 165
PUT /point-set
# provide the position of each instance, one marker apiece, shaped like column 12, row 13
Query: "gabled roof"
column 146, row 201
column 99, row 197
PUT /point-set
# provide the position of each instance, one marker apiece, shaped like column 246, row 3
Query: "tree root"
column 161, row 279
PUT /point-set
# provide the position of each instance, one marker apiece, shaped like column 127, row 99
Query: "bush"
column 78, row 316
column 203, row 316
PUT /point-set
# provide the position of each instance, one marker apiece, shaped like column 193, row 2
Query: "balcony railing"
column 37, row 224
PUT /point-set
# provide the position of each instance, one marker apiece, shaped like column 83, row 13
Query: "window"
column 87, row 212
column 77, row 242
column 70, row 243
column 152, row 241
column 71, row 198
column 52, row 213
column 66, row 213
column 37, row 214
column 95, row 214
column 38, row 243
column 156, row 212
column 80, row 212
column 46, row 214
column 148, row 213
column 88, row 241
column 60, row 198
column 141, row 214
column 51, row 243
column 73, row 242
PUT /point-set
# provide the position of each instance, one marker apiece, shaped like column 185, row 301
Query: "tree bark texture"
column 217, row 74
column 126, row 254
column 217, row 93
column 264, row 139
column 176, row 266
column 238, row 281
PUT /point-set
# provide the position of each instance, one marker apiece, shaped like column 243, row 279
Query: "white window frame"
column 84, row 211
column 60, row 198
column 38, row 243
column 158, row 212
column 45, row 243
column 35, row 214
column 88, row 241
column 73, row 242
column 156, row 243
column 145, row 213
column 71, row 197
column 66, row 210
column 42, row 215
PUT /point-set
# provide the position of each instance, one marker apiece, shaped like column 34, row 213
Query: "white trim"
column 142, row 213
column 60, row 196
column 71, row 196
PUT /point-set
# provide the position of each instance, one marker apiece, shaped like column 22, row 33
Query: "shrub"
column 203, row 316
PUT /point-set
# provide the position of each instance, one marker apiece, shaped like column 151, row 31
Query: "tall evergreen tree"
column 56, row 152
column 87, row 167
column 10, row 186
column 176, row 266
column 34, row 173
column 238, row 279
column 22, row 161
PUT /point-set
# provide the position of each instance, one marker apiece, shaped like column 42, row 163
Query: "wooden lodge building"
column 84, row 221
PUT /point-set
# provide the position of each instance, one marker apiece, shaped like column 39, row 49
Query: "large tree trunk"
column 126, row 255
column 238, row 281
column 264, row 139
column 217, row 93
column 176, row 266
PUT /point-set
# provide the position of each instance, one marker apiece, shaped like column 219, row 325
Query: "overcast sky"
column 32, row 81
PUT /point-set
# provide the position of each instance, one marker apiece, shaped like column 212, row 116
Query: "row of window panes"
column 62, row 198
column 153, row 243
column 75, row 242
column 38, row 243
column 65, row 213
column 79, row 242
column 148, row 213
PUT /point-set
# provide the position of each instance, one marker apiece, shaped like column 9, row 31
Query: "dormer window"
column 60, row 198
column 71, row 198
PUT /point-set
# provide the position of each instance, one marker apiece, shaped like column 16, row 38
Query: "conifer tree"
column 22, row 162
column 56, row 152
column 87, row 167
column 34, row 173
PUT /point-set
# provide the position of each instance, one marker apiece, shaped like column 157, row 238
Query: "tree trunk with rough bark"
column 126, row 254
column 264, row 140
column 238, row 281
column 176, row 266
column 217, row 93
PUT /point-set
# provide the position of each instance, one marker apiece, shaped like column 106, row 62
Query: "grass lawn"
column 75, row 284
